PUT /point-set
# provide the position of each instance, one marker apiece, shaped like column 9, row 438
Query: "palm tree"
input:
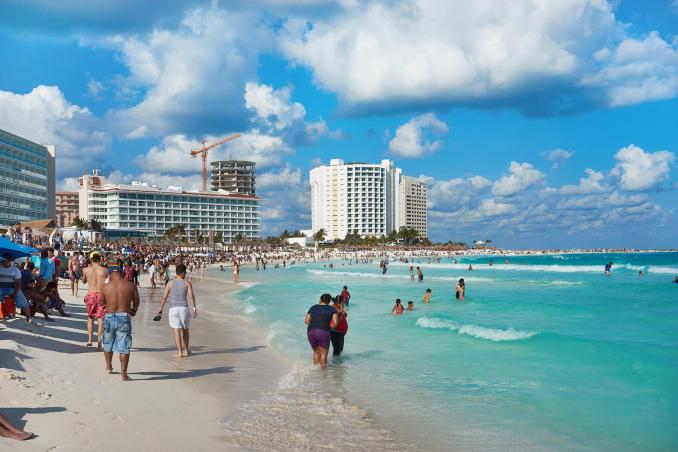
column 319, row 236
column 80, row 223
column 239, row 238
column 95, row 225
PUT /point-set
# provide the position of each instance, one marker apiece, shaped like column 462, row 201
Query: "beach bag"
column 7, row 307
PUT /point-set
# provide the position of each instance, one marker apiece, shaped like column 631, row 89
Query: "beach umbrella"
column 14, row 249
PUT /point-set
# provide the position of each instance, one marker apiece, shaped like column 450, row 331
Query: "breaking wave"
column 490, row 334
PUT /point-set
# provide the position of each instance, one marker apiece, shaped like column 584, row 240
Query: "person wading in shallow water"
column 338, row 330
column 318, row 319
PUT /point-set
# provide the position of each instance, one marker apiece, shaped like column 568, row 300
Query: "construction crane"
column 203, row 153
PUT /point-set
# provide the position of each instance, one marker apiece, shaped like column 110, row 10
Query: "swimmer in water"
column 427, row 296
column 461, row 290
column 470, row 268
column 410, row 305
column 398, row 308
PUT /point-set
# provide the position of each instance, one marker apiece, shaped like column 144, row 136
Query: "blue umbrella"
column 14, row 249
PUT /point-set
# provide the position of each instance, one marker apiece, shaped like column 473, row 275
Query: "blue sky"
column 551, row 125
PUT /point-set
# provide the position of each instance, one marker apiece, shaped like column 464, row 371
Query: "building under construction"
column 234, row 176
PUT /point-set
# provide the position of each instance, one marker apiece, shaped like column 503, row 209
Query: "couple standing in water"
column 327, row 324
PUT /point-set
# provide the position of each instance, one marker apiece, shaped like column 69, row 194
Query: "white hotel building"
column 153, row 210
column 361, row 197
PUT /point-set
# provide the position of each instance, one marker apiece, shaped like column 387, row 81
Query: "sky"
column 534, row 123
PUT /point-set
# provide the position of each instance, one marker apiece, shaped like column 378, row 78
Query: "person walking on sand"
column 94, row 275
column 74, row 272
column 121, row 301
column 179, row 292
column 7, row 430
column 318, row 319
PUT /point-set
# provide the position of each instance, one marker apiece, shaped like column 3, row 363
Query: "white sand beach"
column 55, row 386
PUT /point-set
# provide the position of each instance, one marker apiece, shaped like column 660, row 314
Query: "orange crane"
column 203, row 153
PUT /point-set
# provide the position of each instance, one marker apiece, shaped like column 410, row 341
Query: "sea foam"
column 490, row 334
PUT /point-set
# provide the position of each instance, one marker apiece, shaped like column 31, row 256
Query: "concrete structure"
column 27, row 180
column 355, row 198
column 412, row 209
column 153, row 210
column 67, row 207
column 301, row 241
column 234, row 176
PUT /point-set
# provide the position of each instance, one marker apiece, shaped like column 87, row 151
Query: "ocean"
column 546, row 353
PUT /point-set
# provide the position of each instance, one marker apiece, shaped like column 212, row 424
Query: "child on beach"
column 398, row 308
column 427, row 296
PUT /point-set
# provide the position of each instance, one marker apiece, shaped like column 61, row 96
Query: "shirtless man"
column 74, row 272
column 121, row 300
column 95, row 277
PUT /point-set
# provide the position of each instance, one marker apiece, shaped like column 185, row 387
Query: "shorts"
column 94, row 309
column 179, row 317
column 117, row 333
column 318, row 337
column 75, row 276
column 19, row 300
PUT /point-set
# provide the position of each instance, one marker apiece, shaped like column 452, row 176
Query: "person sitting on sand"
column 7, row 430
column 410, row 305
column 179, row 292
column 318, row 320
column 54, row 300
column 398, row 308
column 120, row 298
column 10, row 285
column 427, row 296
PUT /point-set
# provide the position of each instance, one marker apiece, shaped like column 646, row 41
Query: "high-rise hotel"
column 153, row 210
column 368, row 199
column 27, row 183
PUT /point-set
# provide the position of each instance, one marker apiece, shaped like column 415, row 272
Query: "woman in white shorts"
column 179, row 292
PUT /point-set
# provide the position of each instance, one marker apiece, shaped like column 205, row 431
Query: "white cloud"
column 454, row 194
column 557, row 157
column 278, row 115
column 494, row 208
column 285, row 178
column 382, row 55
column 273, row 106
column 410, row 141
column 521, row 177
column 45, row 116
column 587, row 185
column 638, row 170
column 192, row 78
column 173, row 154
column 446, row 51
column 637, row 70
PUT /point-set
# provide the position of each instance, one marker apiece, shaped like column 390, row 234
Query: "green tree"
column 320, row 235
column 95, row 225
column 239, row 238
column 80, row 223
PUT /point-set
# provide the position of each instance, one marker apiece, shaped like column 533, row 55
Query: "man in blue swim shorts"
column 121, row 300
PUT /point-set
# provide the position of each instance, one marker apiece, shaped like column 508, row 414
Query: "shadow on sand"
column 15, row 415
column 181, row 374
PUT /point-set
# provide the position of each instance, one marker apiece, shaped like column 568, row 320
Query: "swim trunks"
column 318, row 338
column 179, row 317
column 92, row 300
column 75, row 276
column 117, row 333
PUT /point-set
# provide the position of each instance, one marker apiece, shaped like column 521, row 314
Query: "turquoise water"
column 547, row 352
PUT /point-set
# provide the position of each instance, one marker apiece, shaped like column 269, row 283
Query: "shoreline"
column 58, row 389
